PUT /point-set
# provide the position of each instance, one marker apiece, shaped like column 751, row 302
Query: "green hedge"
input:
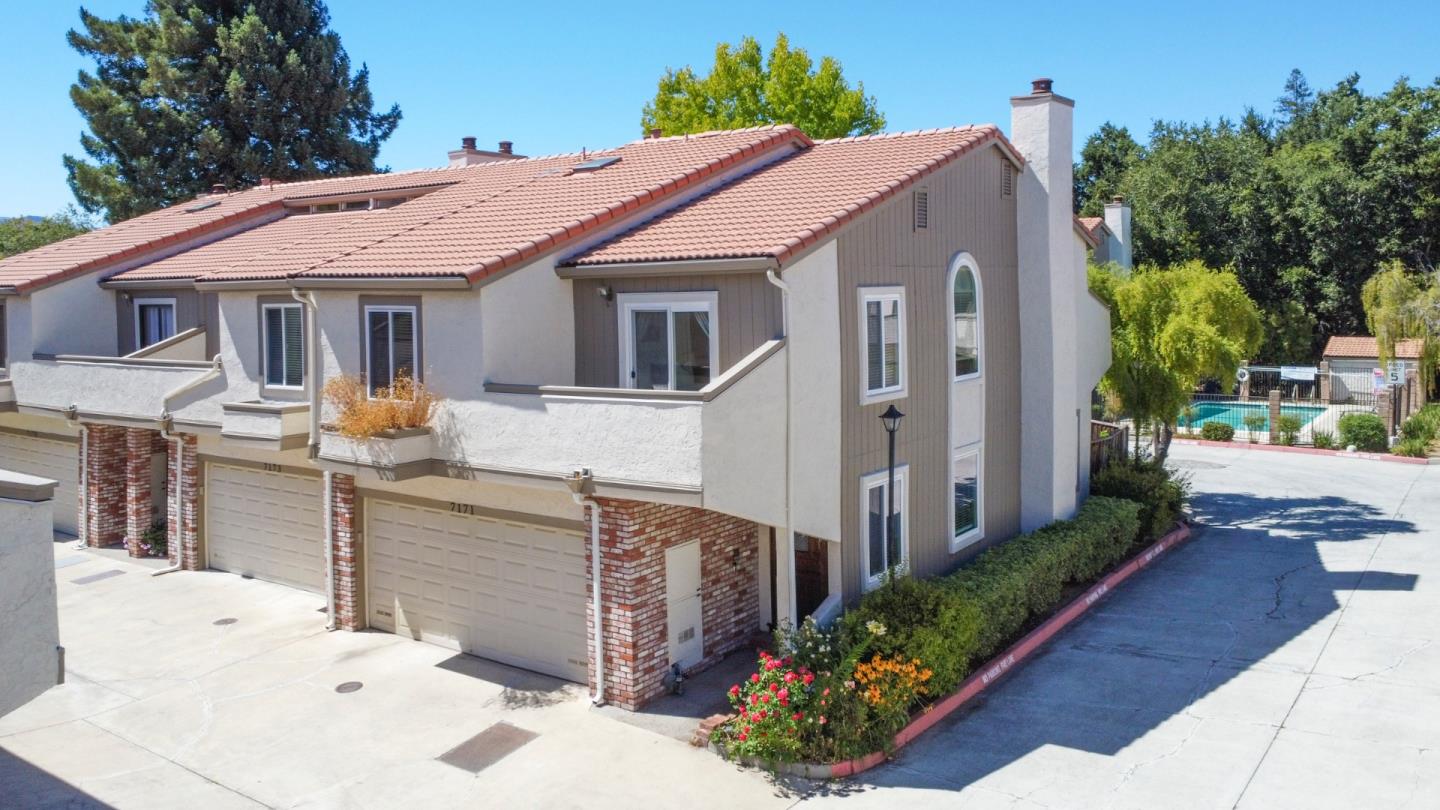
column 1217, row 432
column 955, row 622
column 1365, row 431
column 1161, row 496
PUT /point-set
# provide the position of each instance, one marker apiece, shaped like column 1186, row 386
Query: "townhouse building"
column 661, row 368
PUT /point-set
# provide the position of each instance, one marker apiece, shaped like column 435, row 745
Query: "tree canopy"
column 1401, row 304
column 23, row 233
column 745, row 89
column 199, row 92
column 1303, row 205
column 1172, row 329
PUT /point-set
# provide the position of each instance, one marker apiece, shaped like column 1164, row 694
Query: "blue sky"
column 554, row 77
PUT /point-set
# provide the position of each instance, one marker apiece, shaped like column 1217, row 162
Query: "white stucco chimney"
column 1117, row 219
column 1041, row 127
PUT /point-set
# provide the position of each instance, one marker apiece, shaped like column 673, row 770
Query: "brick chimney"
column 469, row 155
column 1051, row 280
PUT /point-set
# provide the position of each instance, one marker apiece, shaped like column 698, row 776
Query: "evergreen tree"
column 1104, row 159
column 198, row 92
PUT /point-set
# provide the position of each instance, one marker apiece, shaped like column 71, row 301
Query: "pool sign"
column 1299, row 373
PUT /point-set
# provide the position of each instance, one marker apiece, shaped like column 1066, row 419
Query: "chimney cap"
column 1117, row 199
column 657, row 133
column 218, row 188
column 507, row 147
column 467, row 142
column 1041, row 86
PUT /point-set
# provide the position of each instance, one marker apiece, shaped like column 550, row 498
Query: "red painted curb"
column 1001, row 664
column 1309, row 451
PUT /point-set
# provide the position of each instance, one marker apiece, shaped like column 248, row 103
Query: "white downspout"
column 316, row 385
column 577, row 483
column 72, row 419
column 789, row 540
column 166, row 422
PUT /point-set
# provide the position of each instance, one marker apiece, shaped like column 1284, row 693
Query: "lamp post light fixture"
column 891, row 420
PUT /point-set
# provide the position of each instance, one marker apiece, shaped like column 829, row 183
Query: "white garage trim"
column 55, row 457
column 265, row 523
column 507, row 590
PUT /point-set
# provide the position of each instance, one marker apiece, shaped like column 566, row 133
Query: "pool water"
column 1234, row 413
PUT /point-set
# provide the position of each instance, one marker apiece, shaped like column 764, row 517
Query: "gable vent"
column 921, row 203
column 1007, row 178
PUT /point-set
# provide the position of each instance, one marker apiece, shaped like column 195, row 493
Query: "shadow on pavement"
column 23, row 785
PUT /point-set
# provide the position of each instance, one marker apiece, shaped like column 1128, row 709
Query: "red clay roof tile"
column 1364, row 347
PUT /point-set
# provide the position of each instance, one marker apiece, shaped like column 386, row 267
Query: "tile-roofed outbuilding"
column 783, row 208
column 1363, row 347
column 1093, row 228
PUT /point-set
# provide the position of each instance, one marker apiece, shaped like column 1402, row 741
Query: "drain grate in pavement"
column 66, row 562
column 487, row 748
column 224, row 622
column 349, row 686
column 114, row 572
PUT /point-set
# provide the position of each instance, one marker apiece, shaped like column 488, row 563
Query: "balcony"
column 265, row 425
column 125, row 391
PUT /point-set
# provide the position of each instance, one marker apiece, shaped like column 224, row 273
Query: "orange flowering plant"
column 890, row 685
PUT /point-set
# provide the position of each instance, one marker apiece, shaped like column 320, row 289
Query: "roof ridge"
column 907, row 133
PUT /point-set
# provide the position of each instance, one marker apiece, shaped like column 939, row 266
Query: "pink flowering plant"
column 772, row 710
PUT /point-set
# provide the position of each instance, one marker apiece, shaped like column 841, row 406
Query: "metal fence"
column 1309, row 410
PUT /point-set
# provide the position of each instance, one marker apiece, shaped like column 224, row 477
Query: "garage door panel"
column 266, row 524
column 47, row 458
column 514, row 592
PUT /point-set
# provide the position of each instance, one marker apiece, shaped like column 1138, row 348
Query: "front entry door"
column 683, row 608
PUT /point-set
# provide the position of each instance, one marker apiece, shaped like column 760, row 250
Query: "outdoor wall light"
column 608, row 293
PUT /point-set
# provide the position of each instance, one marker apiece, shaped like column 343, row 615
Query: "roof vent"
column 921, row 203
column 218, row 188
column 1007, row 178
column 507, row 147
column 595, row 164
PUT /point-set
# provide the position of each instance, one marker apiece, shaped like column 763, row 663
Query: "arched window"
column 966, row 310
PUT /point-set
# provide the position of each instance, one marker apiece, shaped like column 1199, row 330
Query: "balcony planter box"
column 267, row 425
column 394, row 455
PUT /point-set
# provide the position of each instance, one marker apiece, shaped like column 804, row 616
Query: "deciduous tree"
column 1400, row 305
column 21, row 234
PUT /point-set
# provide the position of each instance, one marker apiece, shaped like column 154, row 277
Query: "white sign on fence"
column 1396, row 373
column 1377, row 380
column 1299, row 373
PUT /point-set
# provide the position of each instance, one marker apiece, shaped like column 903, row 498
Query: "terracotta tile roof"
column 1365, row 347
column 1094, row 229
column 495, row 215
column 786, row 206
column 169, row 227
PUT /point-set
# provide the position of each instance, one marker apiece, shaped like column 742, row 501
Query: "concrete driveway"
column 1282, row 659
column 208, row 690
column 1285, row 658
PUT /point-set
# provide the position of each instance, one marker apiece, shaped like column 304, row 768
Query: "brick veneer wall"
column 102, row 504
column 182, row 511
column 349, row 613
column 633, row 537
column 139, row 508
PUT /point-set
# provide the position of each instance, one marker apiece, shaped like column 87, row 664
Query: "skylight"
column 596, row 163
column 202, row 206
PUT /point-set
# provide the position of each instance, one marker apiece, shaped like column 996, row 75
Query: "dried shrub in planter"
column 407, row 403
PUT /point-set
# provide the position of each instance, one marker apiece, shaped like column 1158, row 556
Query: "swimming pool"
column 1234, row 413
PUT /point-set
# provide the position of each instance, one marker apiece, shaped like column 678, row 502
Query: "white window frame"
column 265, row 346
column 135, row 316
column 881, row 480
column 897, row 391
column 669, row 302
column 965, row 261
column 960, row 541
column 414, row 311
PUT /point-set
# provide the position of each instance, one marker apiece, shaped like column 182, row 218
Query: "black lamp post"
column 891, row 419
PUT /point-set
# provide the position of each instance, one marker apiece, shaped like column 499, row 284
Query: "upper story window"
column 154, row 321
column 965, row 307
column 284, row 349
column 967, row 506
column 391, row 345
column 882, row 335
column 884, row 542
column 4, row 361
column 668, row 341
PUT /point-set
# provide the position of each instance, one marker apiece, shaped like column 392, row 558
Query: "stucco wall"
column 814, row 334
column 74, row 317
column 29, row 622
column 743, row 445
column 526, row 329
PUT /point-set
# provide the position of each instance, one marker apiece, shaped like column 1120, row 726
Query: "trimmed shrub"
column 1323, row 439
column 1254, row 423
column 1287, row 428
column 1365, row 431
column 1417, row 429
column 954, row 622
column 1161, row 496
column 1217, row 432
column 1414, row 448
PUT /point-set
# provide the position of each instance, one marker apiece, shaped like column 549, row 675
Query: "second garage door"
column 499, row 589
column 48, row 458
column 266, row 524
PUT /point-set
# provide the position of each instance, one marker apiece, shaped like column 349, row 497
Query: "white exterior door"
column 268, row 525
column 683, row 610
column 47, row 458
column 512, row 592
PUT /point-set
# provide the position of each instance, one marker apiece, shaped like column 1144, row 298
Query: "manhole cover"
column 224, row 622
column 348, row 687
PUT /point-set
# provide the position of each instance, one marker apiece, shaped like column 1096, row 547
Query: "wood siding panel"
column 750, row 314
column 967, row 213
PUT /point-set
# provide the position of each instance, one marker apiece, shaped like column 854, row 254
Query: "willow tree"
column 1405, row 305
column 745, row 89
column 1172, row 329
column 198, row 92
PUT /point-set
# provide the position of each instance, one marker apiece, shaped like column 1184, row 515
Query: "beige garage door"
column 498, row 589
column 265, row 524
column 50, row 459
